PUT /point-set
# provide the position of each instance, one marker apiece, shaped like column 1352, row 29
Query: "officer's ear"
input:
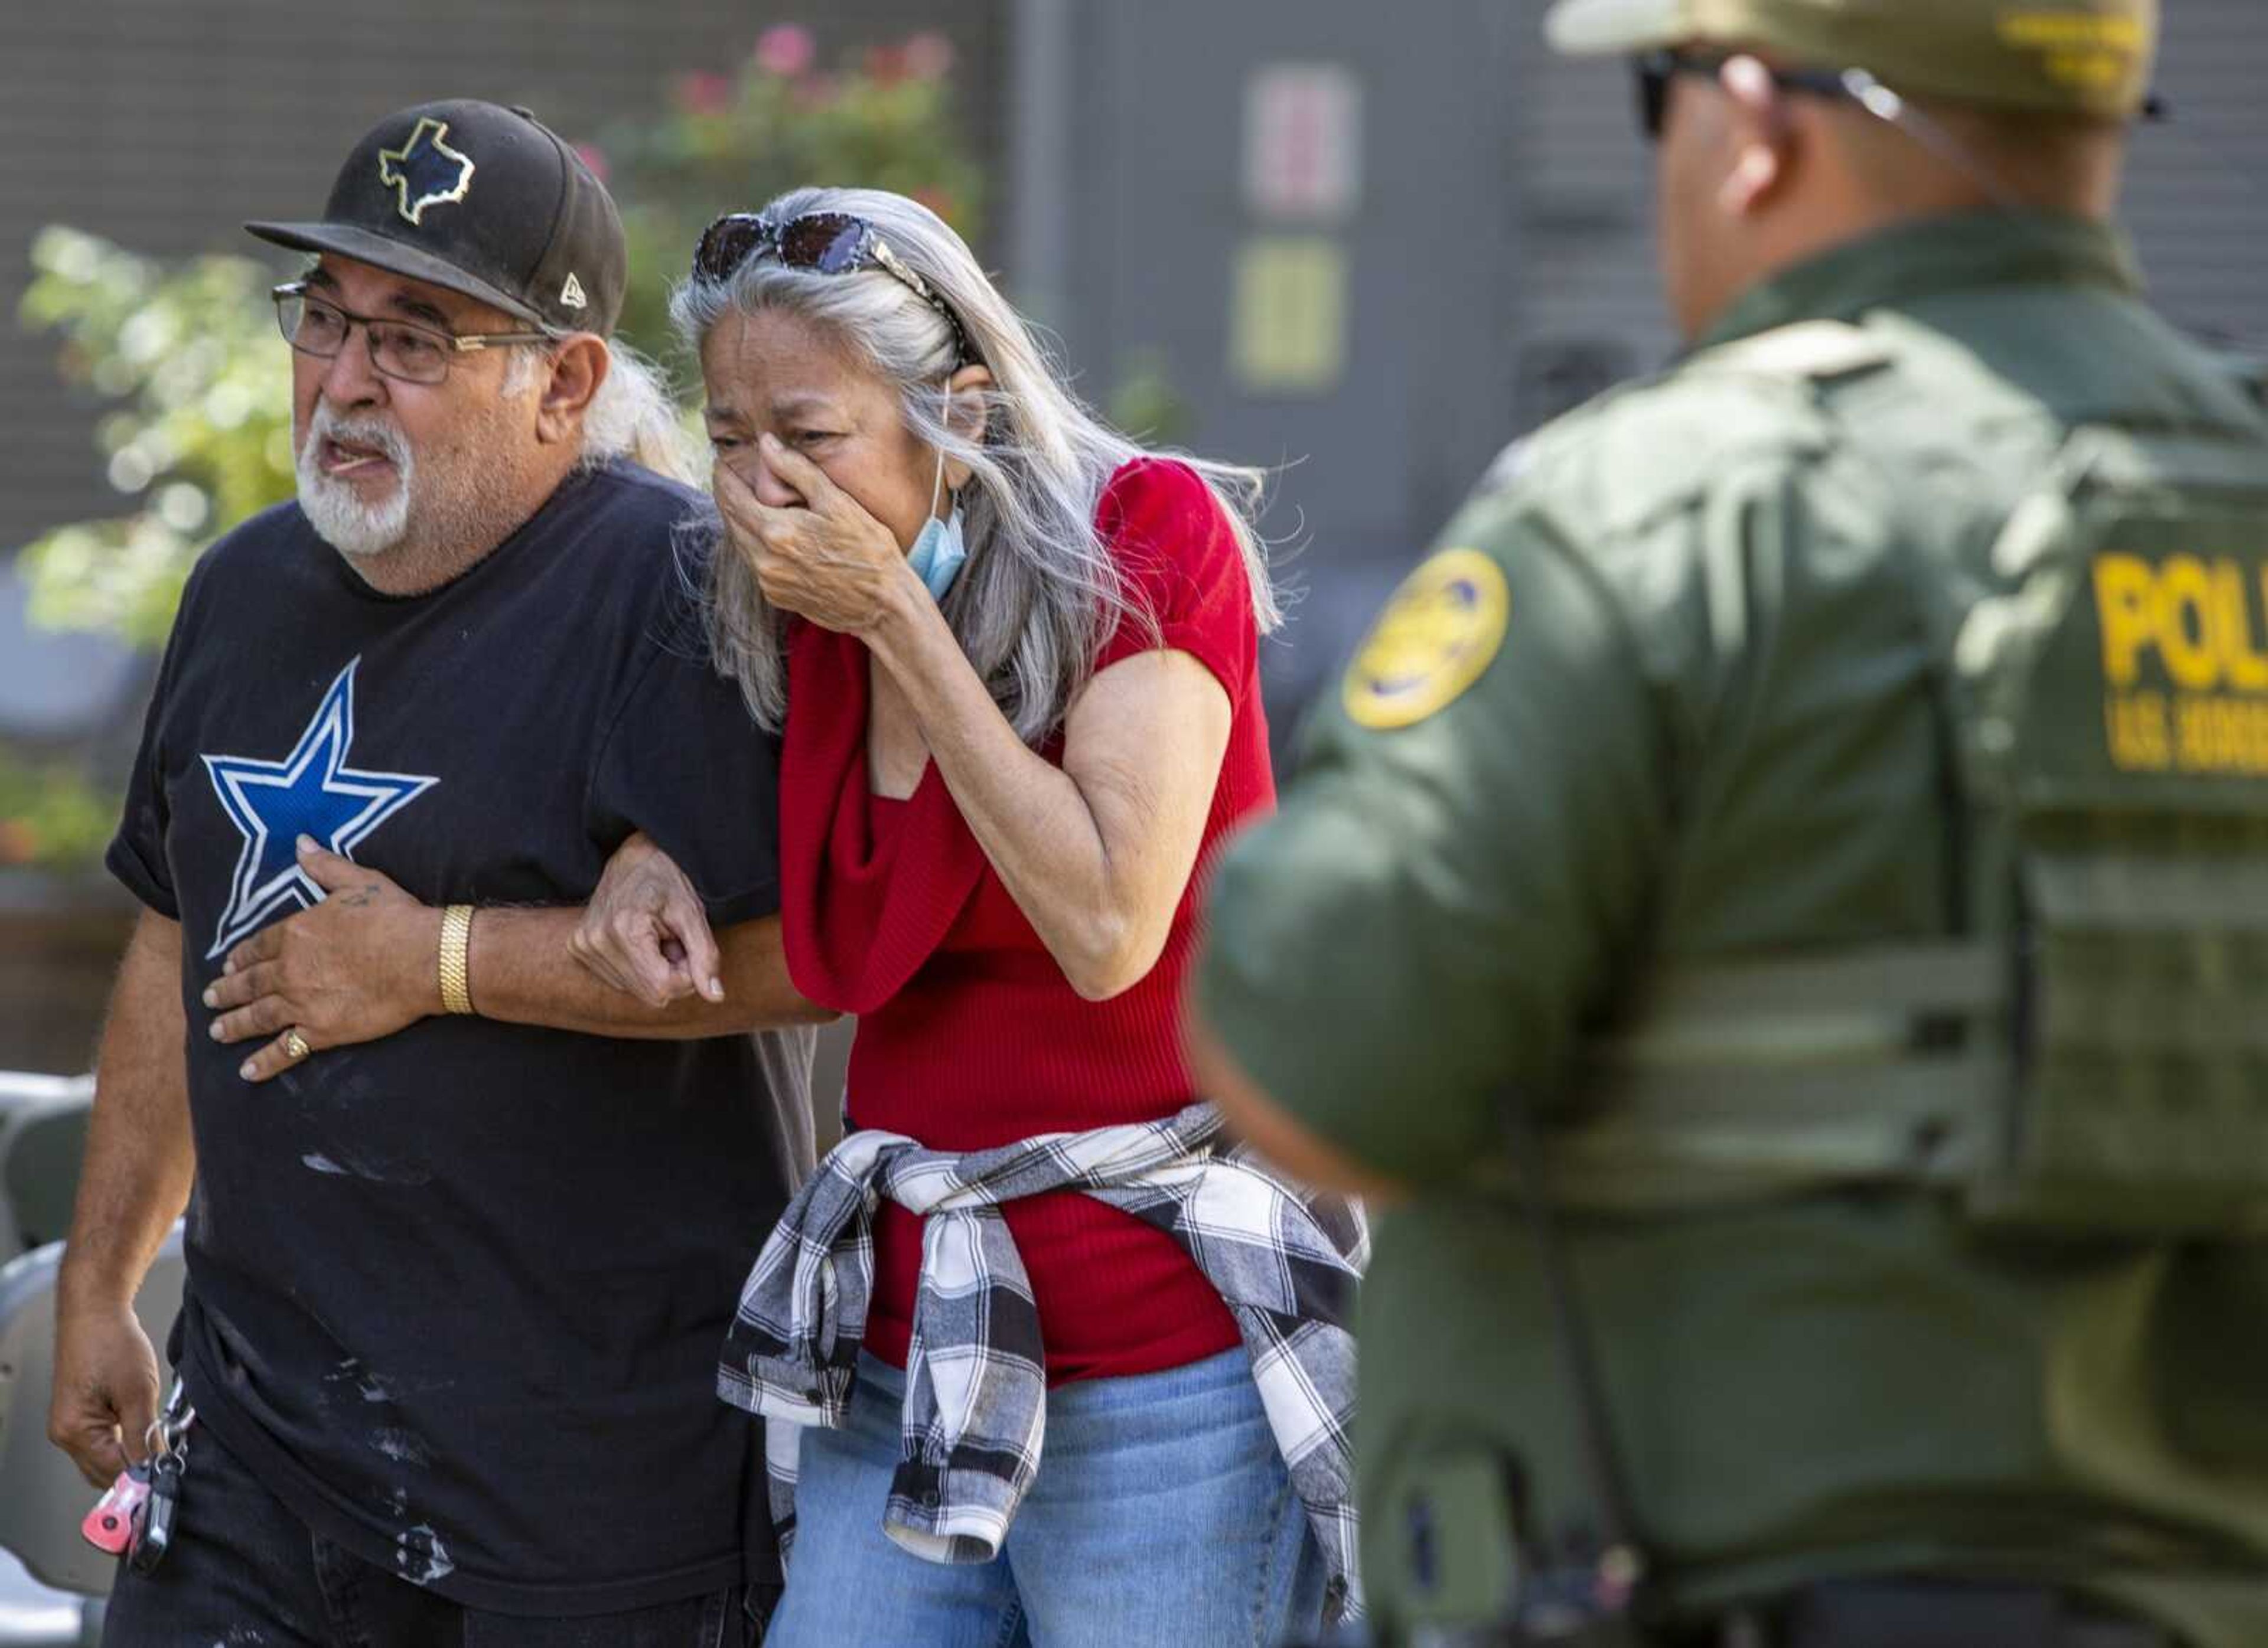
column 578, row 368
column 1762, row 137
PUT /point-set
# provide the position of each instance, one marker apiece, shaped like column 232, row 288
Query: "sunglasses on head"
column 822, row 243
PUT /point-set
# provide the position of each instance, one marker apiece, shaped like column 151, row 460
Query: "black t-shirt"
column 456, row 1296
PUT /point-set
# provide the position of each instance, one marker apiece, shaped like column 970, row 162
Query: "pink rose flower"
column 704, row 93
column 785, row 49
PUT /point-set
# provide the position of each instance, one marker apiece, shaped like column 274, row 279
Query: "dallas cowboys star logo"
column 312, row 791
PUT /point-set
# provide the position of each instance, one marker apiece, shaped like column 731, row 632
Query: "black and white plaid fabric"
column 1286, row 1261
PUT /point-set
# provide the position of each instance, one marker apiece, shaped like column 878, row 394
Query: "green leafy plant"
column 53, row 816
column 882, row 119
column 1144, row 401
column 201, row 435
column 198, row 437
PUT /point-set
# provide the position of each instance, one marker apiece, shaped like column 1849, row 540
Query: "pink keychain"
column 109, row 1527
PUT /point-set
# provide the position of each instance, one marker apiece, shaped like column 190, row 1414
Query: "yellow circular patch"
column 1441, row 631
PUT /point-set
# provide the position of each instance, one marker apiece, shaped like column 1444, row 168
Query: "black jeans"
column 244, row 1572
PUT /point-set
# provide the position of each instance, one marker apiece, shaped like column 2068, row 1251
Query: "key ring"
column 168, row 1433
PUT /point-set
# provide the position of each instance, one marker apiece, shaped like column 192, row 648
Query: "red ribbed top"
column 970, row 1036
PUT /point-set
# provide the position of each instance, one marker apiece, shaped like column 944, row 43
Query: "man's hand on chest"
column 361, row 965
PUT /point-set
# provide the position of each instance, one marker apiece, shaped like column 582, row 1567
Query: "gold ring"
column 295, row 1046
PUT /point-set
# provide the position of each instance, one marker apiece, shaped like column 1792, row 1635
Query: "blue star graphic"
column 312, row 791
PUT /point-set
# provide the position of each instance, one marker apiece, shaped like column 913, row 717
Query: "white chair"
column 33, row 1616
column 42, row 1135
column 42, row 1496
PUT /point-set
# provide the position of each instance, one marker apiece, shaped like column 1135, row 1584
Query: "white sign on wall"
column 1303, row 142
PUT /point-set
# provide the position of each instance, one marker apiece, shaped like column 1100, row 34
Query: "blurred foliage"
column 201, row 435
column 882, row 119
column 1144, row 402
column 198, row 436
column 51, row 815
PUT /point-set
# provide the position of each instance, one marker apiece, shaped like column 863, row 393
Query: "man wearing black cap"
column 453, row 1297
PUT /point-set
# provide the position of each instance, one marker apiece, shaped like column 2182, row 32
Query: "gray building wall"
column 1500, row 253
column 1154, row 190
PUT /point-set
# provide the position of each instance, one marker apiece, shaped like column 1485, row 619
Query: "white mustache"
column 375, row 433
column 340, row 515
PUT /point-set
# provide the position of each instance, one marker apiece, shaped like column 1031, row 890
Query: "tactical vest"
column 2090, row 1056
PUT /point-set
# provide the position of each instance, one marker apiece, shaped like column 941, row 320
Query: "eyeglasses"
column 1655, row 70
column 400, row 349
column 826, row 243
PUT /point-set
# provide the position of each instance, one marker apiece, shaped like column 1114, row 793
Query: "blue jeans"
column 1161, row 1517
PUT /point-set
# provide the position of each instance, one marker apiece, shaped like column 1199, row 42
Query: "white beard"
column 357, row 529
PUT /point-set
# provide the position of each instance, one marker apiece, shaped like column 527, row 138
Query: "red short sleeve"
column 1180, row 563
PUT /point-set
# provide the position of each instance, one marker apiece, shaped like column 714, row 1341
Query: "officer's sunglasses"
column 826, row 243
column 1656, row 71
column 401, row 349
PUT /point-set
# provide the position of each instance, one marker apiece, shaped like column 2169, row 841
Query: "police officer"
column 1781, row 897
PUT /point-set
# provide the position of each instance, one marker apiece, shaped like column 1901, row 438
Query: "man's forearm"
column 139, row 1155
column 522, row 972
column 365, row 963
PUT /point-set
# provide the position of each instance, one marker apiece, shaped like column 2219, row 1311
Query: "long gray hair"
column 632, row 415
column 1040, row 592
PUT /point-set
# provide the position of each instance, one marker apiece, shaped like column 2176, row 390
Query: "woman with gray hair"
column 1014, row 659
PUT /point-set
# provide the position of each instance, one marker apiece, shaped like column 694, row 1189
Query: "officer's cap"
column 2051, row 56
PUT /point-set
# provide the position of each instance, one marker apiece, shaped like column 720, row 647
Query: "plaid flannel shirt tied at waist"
column 1286, row 1262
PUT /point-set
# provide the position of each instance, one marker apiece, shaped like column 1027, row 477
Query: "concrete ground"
column 32, row 1616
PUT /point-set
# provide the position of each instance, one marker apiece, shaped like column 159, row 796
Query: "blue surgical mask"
column 939, row 552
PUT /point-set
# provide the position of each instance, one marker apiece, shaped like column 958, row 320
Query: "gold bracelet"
column 456, row 958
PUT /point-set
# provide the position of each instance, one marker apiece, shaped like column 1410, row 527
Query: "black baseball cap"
column 482, row 200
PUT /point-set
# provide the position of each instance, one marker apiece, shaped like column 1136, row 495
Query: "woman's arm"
column 1097, row 852
column 364, row 963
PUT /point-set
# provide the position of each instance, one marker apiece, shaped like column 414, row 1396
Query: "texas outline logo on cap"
column 427, row 165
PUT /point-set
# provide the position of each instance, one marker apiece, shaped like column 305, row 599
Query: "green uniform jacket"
column 1708, row 731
